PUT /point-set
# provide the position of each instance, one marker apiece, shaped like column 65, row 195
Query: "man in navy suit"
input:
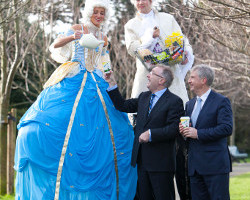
column 158, row 114
column 209, row 162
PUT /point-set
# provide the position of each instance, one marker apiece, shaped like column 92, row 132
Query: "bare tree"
column 219, row 33
column 123, row 64
column 12, row 41
column 35, row 70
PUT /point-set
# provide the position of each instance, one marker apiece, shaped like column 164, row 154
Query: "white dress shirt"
column 203, row 99
column 158, row 95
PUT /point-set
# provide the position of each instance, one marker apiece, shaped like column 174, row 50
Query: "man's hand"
column 190, row 132
column 186, row 59
column 144, row 137
column 109, row 77
column 181, row 128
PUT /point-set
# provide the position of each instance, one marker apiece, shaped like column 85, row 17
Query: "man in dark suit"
column 209, row 162
column 158, row 114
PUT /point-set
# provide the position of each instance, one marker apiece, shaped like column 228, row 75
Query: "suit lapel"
column 206, row 105
column 190, row 106
column 161, row 101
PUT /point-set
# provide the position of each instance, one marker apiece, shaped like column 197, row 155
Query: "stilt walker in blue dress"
column 72, row 143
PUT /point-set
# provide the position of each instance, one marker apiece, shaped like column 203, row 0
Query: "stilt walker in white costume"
column 144, row 31
column 136, row 36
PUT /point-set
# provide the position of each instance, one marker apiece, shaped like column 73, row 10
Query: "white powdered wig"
column 89, row 9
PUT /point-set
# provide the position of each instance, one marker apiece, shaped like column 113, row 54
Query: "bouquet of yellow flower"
column 174, row 43
column 170, row 53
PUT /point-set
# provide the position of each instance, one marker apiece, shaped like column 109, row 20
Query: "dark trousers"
column 137, row 193
column 210, row 187
column 155, row 185
column 181, row 174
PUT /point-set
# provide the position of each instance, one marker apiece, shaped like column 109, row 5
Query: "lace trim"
column 93, row 29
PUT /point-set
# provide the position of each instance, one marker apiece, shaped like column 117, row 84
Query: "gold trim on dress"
column 67, row 136
column 60, row 73
column 111, row 135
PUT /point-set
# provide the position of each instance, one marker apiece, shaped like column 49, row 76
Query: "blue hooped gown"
column 73, row 117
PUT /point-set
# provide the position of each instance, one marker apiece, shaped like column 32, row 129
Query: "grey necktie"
column 196, row 111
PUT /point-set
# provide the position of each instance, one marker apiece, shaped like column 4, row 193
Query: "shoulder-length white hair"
column 89, row 9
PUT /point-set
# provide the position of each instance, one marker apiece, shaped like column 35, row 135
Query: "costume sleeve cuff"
column 111, row 88
column 185, row 68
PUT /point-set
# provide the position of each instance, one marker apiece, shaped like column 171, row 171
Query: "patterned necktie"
column 151, row 103
column 196, row 111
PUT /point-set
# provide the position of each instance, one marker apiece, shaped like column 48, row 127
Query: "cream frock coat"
column 167, row 24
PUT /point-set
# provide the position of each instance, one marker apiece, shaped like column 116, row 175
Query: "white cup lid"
column 186, row 117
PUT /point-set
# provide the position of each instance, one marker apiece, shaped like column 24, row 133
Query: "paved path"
column 238, row 169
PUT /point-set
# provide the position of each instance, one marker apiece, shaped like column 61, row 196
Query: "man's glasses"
column 152, row 73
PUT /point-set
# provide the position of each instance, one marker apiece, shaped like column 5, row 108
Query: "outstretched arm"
column 128, row 106
column 109, row 77
column 60, row 42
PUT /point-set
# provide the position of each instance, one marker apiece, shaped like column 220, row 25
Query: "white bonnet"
column 89, row 9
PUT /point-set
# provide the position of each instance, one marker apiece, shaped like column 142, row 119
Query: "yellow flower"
column 169, row 44
column 174, row 37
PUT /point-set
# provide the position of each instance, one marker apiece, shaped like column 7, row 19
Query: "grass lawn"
column 239, row 188
column 246, row 160
column 7, row 197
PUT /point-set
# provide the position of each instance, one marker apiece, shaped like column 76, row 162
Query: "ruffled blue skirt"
column 89, row 166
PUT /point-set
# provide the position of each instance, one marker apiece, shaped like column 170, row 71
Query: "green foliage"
column 248, row 159
column 245, row 160
column 240, row 187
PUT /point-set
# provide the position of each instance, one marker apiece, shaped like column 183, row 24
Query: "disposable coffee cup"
column 106, row 63
column 185, row 121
